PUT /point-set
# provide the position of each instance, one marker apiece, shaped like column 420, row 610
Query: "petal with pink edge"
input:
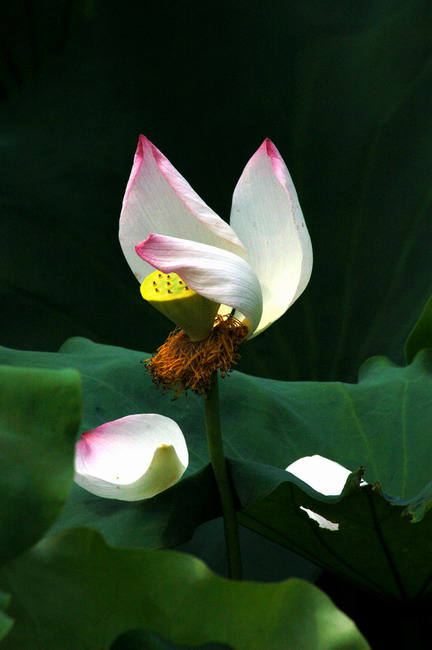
column 212, row 272
column 132, row 458
column 267, row 217
column 158, row 199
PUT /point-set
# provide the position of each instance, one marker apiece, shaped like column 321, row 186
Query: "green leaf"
column 380, row 423
column 376, row 545
column 115, row 384
column 420, row 336
column 73, row 591
column 5, row 622
column 40, row 412
column 166, row 520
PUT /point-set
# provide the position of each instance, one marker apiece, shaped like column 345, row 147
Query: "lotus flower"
column 132, row 458
column 258, row 265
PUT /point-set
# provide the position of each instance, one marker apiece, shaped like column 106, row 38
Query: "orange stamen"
column 182, row 364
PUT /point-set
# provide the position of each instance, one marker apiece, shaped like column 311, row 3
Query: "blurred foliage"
column 140, row 640
column 40, row 412
column 341, row 87
column 73, row 592
column 420, row 336
column 5, row 622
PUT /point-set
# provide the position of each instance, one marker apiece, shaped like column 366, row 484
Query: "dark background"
column 342, row 87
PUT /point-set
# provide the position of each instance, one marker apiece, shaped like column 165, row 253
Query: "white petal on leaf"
column 132, row 458
column 322, row 474
column 322, row 521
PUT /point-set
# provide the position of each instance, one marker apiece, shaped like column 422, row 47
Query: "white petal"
column 132, row 458
column 267, row 217
column 322, row 521
column 158, row 199
column 212, row 272
column 322, row 474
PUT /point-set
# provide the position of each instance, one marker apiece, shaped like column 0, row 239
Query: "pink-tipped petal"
column 212, row 272
column 267, row 217
column 132, row 458
column 158, row 199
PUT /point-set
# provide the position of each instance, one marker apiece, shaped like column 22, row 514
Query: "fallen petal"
column 132, row 458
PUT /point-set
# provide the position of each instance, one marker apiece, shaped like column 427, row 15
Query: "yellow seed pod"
column 188, row 310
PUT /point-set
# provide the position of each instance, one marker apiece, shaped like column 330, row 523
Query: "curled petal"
column 158, row 199
column 132, row 458
column 212, row 272
column 267, row 217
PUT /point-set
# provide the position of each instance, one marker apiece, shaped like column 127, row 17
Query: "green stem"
column 216, row 453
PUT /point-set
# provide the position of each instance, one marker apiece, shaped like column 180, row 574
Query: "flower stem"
column 216, row 453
